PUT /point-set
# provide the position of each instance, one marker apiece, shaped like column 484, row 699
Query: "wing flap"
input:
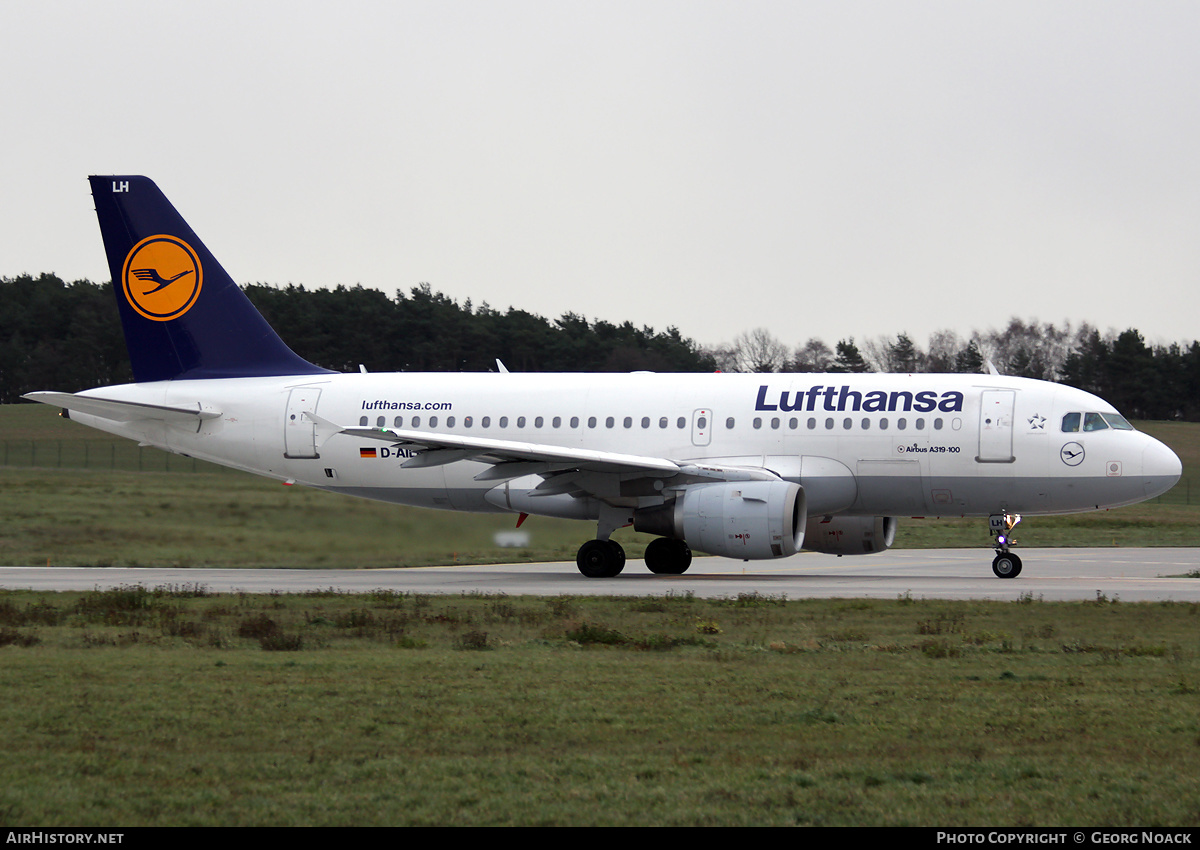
column 514, row 458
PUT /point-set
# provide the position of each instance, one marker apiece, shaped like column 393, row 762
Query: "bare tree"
column 944, row 347
column 759, row 351
column 723, row 355
column 813, row 356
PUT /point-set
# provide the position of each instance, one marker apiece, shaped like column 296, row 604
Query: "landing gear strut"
column 603, row 557
column 1006, row 564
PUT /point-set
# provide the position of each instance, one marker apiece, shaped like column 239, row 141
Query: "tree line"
column 1142, row 381
column 67, row 336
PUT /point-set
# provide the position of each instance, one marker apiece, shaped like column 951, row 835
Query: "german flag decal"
column 367, row 453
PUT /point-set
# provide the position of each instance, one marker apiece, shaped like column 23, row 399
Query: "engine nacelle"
column 851, row 535
column 751, row 520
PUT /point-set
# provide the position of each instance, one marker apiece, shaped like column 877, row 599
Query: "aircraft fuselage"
column 865, row 445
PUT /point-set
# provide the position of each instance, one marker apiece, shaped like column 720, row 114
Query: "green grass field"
column 175, row 707
column 70, row 495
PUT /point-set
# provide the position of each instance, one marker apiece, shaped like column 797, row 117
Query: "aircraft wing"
column 127, row 411
column 513, row 458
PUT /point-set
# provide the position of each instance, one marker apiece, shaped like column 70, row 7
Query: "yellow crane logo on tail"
column 162, row 277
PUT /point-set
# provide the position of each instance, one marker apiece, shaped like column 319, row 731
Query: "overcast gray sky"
column 817, row 168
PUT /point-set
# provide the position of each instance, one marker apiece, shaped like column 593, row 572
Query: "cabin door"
column 300, row 432
column 996, row 426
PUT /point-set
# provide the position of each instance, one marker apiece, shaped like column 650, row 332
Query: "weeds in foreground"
column 327, row 708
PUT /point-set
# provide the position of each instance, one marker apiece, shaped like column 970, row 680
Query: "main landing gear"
column 1006, row 564
column 668, row 557
column 600, row 558
column 606, row 558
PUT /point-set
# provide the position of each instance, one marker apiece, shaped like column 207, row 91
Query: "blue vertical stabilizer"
column 183, row 315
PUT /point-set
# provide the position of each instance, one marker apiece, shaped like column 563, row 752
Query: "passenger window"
column 556, row 422
column 591, row 421
column 757, row 423
column 432, row 421
column 609, row 422
column 449, row 421
column 416, row 423
column 812, row 423
column 398, row 422
column 847, row 423
column 1070, row 423
column 645, row 421
column 793, row 423
column 574, row 421
column 485, row 422
column 537, row 422
column 681, row 422
column 362, row 420
column 937, row 424
column 520, row 421
column 774, row 423
column 628, row 422
column 883, row 424
column 379, row 423
column 866, row 424
column 467, row 420
column 1094, row 422
column 662, row 422
column 901, row 423
column 920, row 423
column 702, row 422
column 503, row 421
column 828, row 424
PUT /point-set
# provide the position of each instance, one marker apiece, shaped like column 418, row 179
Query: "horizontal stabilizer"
column 127, row 411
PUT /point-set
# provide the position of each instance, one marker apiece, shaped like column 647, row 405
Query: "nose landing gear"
column 1006, row 564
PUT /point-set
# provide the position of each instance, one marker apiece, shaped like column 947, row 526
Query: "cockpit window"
column 1094, row 422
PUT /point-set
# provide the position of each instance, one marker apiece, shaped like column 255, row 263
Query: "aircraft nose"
column 1161, row 468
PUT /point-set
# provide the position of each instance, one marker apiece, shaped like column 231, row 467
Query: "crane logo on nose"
column 162, row 278
column 1071, row 454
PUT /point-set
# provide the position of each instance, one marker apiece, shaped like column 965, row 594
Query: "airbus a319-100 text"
column 741, row 466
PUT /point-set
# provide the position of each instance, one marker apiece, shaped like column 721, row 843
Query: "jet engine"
column 750, row 520
column 851, row 535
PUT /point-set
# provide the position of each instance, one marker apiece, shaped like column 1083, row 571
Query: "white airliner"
column 742, row 466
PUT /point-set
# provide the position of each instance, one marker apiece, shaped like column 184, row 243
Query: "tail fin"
column 183, row 315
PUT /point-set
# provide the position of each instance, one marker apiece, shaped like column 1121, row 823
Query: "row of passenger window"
column 847, row 423
column 774, row 423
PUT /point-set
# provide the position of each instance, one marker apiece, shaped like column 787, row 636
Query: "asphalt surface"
column 1050, row 574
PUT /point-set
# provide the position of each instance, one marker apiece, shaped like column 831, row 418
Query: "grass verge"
column 180, row 707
